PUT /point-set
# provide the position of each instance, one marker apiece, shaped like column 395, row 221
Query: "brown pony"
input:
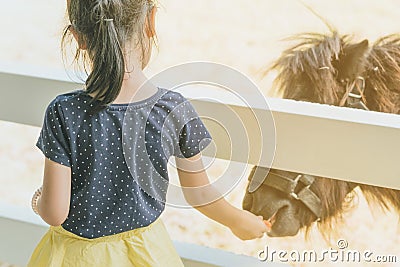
column 327, row 69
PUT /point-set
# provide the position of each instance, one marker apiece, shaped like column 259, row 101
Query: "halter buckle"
column 295, row 183
column 355, row 96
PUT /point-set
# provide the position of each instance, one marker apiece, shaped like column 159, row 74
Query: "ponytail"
column 108, row 63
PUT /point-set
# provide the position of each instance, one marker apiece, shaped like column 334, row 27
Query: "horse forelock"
column 305, row 70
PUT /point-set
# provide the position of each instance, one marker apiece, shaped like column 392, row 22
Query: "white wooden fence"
column 340, row 143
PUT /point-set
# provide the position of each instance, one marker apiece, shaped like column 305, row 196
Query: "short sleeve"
column 53, row 140
column 193, row 135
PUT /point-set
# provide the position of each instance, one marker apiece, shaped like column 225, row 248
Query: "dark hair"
column 103, row 28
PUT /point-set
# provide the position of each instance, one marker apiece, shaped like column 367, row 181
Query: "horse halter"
column 354, row 98
column 290, row 185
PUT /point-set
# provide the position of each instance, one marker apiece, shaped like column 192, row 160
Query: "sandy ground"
column 243, row 34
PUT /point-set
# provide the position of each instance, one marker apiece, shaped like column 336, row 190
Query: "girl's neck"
column 135, row 86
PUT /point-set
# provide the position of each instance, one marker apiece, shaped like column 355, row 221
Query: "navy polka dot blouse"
column 118, row 157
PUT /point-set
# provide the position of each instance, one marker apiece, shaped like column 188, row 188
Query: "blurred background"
column 246, row 35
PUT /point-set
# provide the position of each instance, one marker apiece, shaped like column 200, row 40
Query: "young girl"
column 105, row 179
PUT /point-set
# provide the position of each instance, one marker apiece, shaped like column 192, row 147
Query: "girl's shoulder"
column 172, row 98
column 76, row 99
column 66, row 104
column 68, row 97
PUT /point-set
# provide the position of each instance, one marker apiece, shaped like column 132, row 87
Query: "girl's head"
column 107, row 31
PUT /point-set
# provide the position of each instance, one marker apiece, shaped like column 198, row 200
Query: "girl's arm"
column 53, row 205
column 200, row 194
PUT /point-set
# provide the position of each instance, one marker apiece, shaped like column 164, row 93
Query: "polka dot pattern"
column 116, row 154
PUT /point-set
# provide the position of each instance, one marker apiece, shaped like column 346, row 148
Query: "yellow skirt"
column 149, row 246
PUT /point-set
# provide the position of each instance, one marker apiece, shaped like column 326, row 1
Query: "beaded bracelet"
column 35, row 199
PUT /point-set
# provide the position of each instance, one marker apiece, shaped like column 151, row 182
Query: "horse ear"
column 352, row 61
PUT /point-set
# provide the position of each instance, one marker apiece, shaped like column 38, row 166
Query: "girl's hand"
column 249, row 226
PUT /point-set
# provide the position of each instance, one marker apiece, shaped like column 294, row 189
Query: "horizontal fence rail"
column 340, row 143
